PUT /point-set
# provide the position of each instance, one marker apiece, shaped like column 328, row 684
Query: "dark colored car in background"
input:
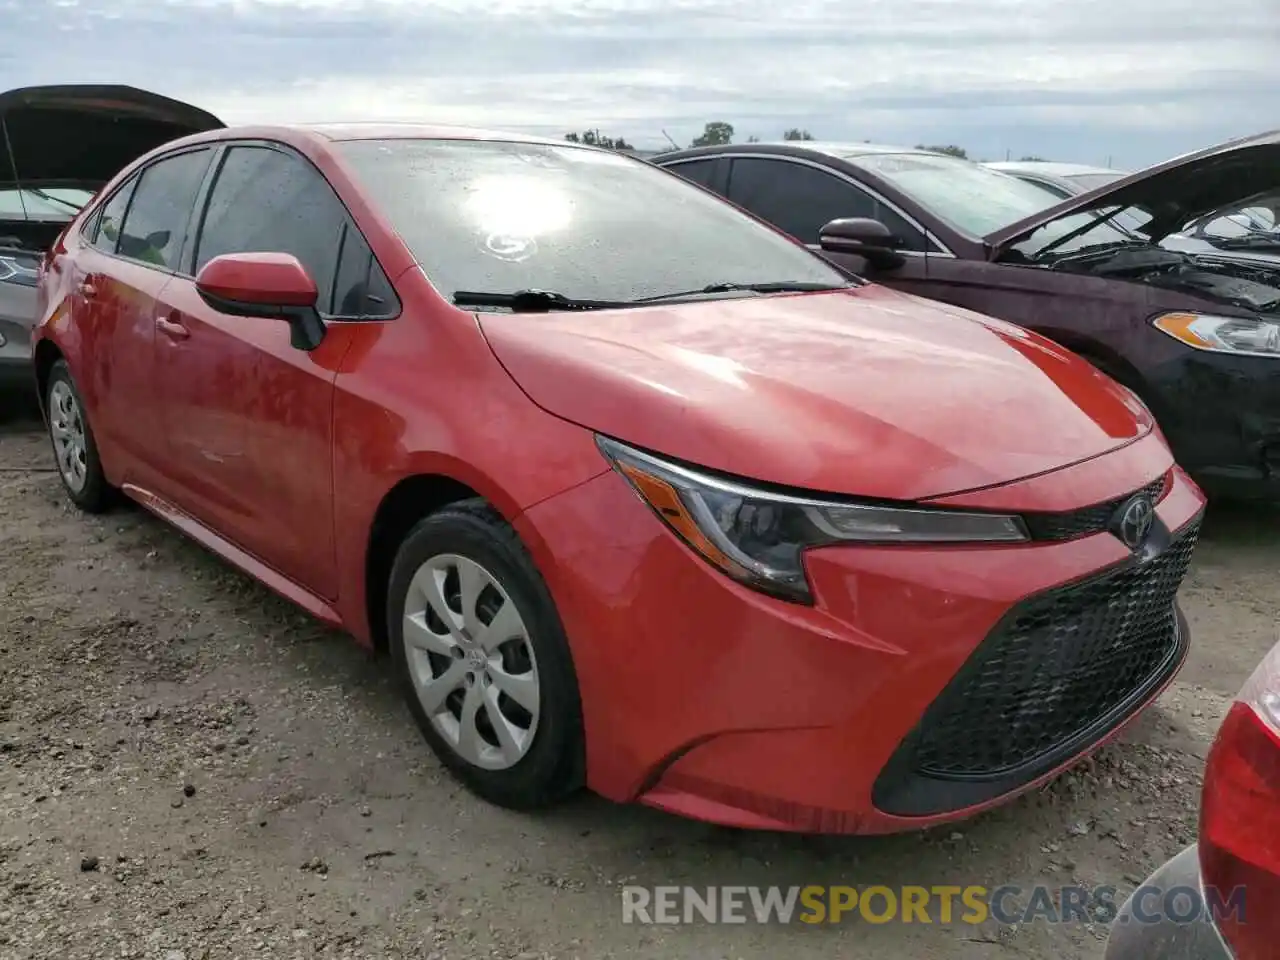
column 60, row 144
column 1062, row 179
column 1196, row 337
column 1236, row 863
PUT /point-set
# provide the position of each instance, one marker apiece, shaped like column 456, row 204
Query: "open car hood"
column 1174, row 192
column 84, row 134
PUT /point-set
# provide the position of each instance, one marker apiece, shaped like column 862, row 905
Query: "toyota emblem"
column 1134, row 520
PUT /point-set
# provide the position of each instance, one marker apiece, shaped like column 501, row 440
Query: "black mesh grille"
column 1087, row 520
column 1060, row 663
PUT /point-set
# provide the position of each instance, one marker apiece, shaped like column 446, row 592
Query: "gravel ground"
column 190, row 768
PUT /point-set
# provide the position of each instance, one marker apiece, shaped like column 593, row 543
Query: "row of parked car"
column 642, row 495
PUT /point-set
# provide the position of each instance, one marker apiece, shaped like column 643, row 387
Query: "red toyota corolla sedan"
column 637, row 492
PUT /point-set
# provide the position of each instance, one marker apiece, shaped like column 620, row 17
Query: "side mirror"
column 863, row 237
column 269, row 285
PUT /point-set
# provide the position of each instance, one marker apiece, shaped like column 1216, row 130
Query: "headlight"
column 13, row 270
column 757, row 536
column 1243, row 336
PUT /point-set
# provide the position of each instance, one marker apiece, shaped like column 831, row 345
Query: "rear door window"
column 701, row 172
column 107, row 232
column 155, row 225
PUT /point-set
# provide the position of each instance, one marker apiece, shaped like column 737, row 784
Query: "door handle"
column 172, row 329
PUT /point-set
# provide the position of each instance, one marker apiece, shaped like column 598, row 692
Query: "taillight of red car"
column 1240, row 816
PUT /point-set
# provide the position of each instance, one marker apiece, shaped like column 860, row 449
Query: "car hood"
column 865, row 392
column 1174, row 192
column 83, row 134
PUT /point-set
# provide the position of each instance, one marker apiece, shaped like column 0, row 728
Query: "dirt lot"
column 190, row 768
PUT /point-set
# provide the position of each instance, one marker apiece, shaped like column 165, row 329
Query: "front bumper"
column 1141, row 933
column 1221, row 415
column 707, row 699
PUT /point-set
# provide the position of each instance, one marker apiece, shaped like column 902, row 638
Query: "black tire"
column 553, row 766
column 96, row 495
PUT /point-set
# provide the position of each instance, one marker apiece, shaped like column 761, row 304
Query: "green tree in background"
column 795, row 133
column 949, row 149
column 594, row 138
column 714, row 134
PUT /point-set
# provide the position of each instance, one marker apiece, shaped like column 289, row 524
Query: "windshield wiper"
column 542, row 301
column 773, row 286
column 1251, row 242
column 50, row 198
column 532, row 301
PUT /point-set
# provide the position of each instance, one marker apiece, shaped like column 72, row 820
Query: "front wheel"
column 483, row 660
column 74, row 447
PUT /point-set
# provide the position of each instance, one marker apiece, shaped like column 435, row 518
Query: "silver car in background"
column 58, row 146
column 1062, row 179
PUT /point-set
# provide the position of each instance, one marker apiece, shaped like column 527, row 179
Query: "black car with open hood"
column 1133, row 275
column 58, row 146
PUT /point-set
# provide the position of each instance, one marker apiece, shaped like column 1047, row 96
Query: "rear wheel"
column 74, row 448
column 482, row 658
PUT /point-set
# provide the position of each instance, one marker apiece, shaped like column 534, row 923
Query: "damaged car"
column 58, row 146
column 1192, row 328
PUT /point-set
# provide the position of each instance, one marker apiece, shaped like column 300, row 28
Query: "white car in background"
column 1062, row 179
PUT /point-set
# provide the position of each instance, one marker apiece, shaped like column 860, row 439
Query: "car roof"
column 1051, row 167
column 837, row 150
column 374, row 130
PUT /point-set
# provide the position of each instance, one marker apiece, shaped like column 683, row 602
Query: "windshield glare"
column 502, row 217
column 53, row 203
column 972, row 198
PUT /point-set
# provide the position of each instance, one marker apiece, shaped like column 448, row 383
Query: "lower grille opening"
column 1060, row 671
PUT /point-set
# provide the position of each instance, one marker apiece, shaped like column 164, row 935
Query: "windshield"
column 588, row 224
column 52, row 203
column 972, row 198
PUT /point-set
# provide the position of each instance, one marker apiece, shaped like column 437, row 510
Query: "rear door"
column 248, row 417
column 132, row 247
column 800, row 197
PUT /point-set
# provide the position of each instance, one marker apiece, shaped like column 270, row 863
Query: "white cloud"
column 1136, row 78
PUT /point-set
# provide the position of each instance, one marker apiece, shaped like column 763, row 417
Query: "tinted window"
column 111, row 216
column 500, row 217
column 156, row 223
column 699, row 171
column 269, row 201
column 360, row 288
column 800, row 199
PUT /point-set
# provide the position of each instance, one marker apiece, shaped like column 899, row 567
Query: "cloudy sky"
column 1130, row 81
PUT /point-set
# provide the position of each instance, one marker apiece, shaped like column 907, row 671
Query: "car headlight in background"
column 1244, row 336
column 757, row 536
column 13, row 270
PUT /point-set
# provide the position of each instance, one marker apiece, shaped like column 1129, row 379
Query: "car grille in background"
column 1087, row 520
column 1057, row 665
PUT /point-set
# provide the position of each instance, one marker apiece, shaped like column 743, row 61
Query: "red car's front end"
column 748, row 657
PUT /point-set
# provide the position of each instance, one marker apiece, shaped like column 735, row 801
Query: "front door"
column 248, row 417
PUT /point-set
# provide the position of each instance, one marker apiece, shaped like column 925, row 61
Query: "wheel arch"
column 409, row 500
column 47, row 353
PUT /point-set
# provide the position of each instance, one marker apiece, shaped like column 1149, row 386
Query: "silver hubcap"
column 471, row 661
column 66, row 425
